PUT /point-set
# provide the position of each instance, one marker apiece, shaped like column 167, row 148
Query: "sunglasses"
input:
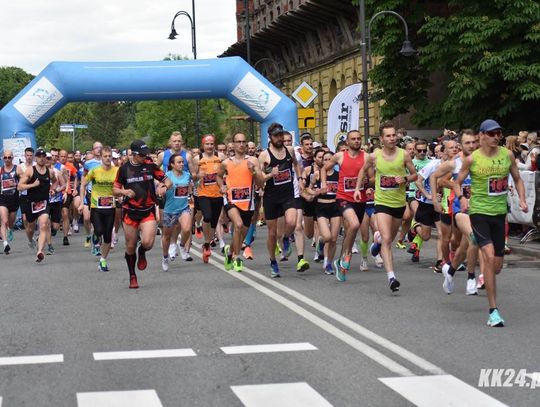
column 9, row 157
column 421, row 150
column 495, row 133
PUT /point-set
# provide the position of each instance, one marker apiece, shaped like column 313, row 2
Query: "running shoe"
column 184, row 254
column 172, row 251
column 412, row 248
column 411, row 234
column 302, row 265
column 96, row 250
column 165, row 263
column 277, row 251
column 238, row 265
column 394, row 284
column 10, row 235
column 198, row 232
column 158, row 231
column 320, row 250
column 495, row 319
column 76, row 227
column 437, row 268
column 379, row 262
column 448, row 283
column 114, row 240
column 316, row 257
column 88, row 241
column 133, row 282
column 70, row 231
column 213, row 242
column 287, row 247
column 39, row 257
column 206, row 253
column 415, row 258
column 248, row 253
column 50, row 250
column 222, row 245
column 354, row 249
column 228, row 262
column 102, row 265
column 141, row 258
column 261, row 223
column 400, row 245
column 275, row 270
column 364, row 264
column 461, row 267
column 346, row 262
column 341, row 271
column 225, row 228
column 329, row 269
column 375, row 249
column 32, row 244
column 481, row 285
column 507, row 250
column 6, row 248
column 65, row 242
column 471, row 287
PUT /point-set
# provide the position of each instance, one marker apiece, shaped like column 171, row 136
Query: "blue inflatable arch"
column 62, row 82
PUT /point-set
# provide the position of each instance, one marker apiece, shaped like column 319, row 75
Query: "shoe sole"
column 394, row 287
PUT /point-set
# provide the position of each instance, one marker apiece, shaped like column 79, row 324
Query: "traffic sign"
column 304, row 94
column 306, row 119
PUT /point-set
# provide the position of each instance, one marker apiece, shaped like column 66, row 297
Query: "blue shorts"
column 370, row 209
column 170, row 220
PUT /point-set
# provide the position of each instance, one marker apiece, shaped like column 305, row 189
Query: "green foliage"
column 12, row 81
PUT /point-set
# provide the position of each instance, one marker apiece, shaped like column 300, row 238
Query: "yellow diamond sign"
column 304, row 94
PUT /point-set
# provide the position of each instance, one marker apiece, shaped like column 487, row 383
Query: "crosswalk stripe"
column 277, row 347
column 280, row 394
column 144, row 354
column 440, row 391
column 30, row 360
column 134, row 398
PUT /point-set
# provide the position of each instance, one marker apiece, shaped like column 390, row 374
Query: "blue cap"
column 489, row 125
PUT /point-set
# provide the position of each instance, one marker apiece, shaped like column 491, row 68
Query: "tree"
column 48, row 134
column 12, row 81
column 108, row 119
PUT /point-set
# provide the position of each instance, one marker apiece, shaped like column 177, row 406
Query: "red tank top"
column 348, row 173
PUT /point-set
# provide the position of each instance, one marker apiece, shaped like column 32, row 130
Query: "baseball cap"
column 278, row 129
column 489, row 125
column 115, row 155
column 139, row 147
column 48, row 155
column 316, row 144
column 40, row 153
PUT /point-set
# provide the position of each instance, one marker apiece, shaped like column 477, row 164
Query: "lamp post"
column 71, row 128
column 172, row 36
column 406, row 50
column 248, row 56
column 275, row 66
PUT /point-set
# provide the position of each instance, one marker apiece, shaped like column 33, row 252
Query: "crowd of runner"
column 398, row 188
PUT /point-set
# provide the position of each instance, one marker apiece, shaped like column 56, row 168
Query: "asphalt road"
column 333, row 341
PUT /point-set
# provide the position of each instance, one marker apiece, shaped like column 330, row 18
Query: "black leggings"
column 103, row 222
column 211, row 209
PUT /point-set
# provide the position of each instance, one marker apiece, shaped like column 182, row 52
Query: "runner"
column 390, row 165
column 23, row 195
column 56, row 195
column 352, row 209
column 9, row 198
column 69, row 193
column 410, row 148
column 279, row 164
column 102, row 202
column 241, row 173
column 489, row 167
column 37, row 181
column 135, row 181
column 93, row 160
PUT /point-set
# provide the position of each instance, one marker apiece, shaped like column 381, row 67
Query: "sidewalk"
column 528, row 249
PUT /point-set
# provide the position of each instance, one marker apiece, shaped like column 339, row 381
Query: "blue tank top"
column 167, row 157
column 465, row 186
column 176, row 199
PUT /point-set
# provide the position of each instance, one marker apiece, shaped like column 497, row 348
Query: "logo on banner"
column 252, row 92
column 38, row 100
column 343, row 114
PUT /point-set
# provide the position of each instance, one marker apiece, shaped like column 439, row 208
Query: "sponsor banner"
column 531, row 180
column 17, row 146
column 38, row 100
column 253, row 93
column 343, row 115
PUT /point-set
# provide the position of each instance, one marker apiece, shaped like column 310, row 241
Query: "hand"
column 224, row 189
column 129, row 193
column 357, row 195
column 274, row 171
column 400, row 180
column 523, row 206
column 74, row 192
column 36, row 183
column 80, row 208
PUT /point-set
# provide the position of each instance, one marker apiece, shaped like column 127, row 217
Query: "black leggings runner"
column 103, row 222
column 211, row 209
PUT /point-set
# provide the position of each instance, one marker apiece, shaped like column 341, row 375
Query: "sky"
column 37, row 32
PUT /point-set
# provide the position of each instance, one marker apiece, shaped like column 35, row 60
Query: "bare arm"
column 264, row 161
column 520, row 187
column 328, row 166
column 23, row 182
column 436, row 179
column 465, row 168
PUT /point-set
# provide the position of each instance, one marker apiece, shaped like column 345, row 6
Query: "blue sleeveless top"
column 167, row 157
column 176, row 199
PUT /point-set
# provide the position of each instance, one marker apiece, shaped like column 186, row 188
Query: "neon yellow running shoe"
column 302, row 265
column 228, row 263
column 238, row 265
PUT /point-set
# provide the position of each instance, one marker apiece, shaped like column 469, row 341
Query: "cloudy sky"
column 36, row 32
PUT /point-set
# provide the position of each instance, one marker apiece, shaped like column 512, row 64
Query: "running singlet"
column 465, row 186
column 208, row 186
column 41, row 192
column 9, row 181
column 425, row 173
column 176, row 198
column 140, row 179
column 102, row 183
column 167, row 157
column 387, row 191
column 489, row 186
column 332, row 182
column 348, row 174
column 240, row 188
column 413, row 190
column 54, row 196
column 88, row 165
column 72, row 177
column 281, row 185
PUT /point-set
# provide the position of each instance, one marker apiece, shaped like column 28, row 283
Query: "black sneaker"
column 7, row 249
column 66, row 241
column 416, row 256
column 394, row 284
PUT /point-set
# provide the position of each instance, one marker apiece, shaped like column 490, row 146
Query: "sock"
column 206, row 245
column 363, row 248
column 418, row 241
column 390, row 275
column 300, row 257
column 491, row 310
column 272, row 262
column 470, row 276
column 229, row 257
column 103, row 259
column 141, row 250
column 451, row 271
column 131, row 259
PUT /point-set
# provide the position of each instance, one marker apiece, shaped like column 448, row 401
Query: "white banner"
column 516, row 215
column 17, row 146
column 252, row 92
column 38, row 100
column 343, row 115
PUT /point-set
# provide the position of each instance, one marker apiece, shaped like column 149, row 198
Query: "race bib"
column 210, row 179
column 497, row 186
column 388, row 183
column 181, row 192
column 105, row 202
column 282, row 177
column 240, row 194
column 349, row 184
column 38, row 206
column 466, row 191
column 331, row 187
column 8, row 184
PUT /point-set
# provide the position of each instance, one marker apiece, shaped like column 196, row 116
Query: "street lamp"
column 279, row 83
column 173, row 35
column 406, row 50
column 71, row 128
column 248, row 56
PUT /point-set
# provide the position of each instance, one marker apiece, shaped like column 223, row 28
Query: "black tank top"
column 331, row 186
column 41, row 192
column 280, row 185
column 9, row 180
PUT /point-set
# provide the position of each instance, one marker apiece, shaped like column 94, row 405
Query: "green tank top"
column 489, row 183
column 387, row 191
column 418, row 164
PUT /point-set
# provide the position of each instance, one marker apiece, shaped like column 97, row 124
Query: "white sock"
column 103, row 259
column 390, row 275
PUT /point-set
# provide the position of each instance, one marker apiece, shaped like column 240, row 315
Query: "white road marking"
column 144, row 354
column 366, row 333
column 280, row 394
column 277, row 347
column 135, row 398
column 360, row 346
column 440, row 391
column 30, row 360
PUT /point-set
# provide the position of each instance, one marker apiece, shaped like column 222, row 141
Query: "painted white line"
column 366, row 333
column 440, row 391
column 281, row 394
column 144, row 354
column 360, row 346
column 135, row 398
column 278, row 347
column 30, row 360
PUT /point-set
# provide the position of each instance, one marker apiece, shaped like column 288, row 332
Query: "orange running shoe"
column 248, row 253
column 198, row 232
column 206, row 254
